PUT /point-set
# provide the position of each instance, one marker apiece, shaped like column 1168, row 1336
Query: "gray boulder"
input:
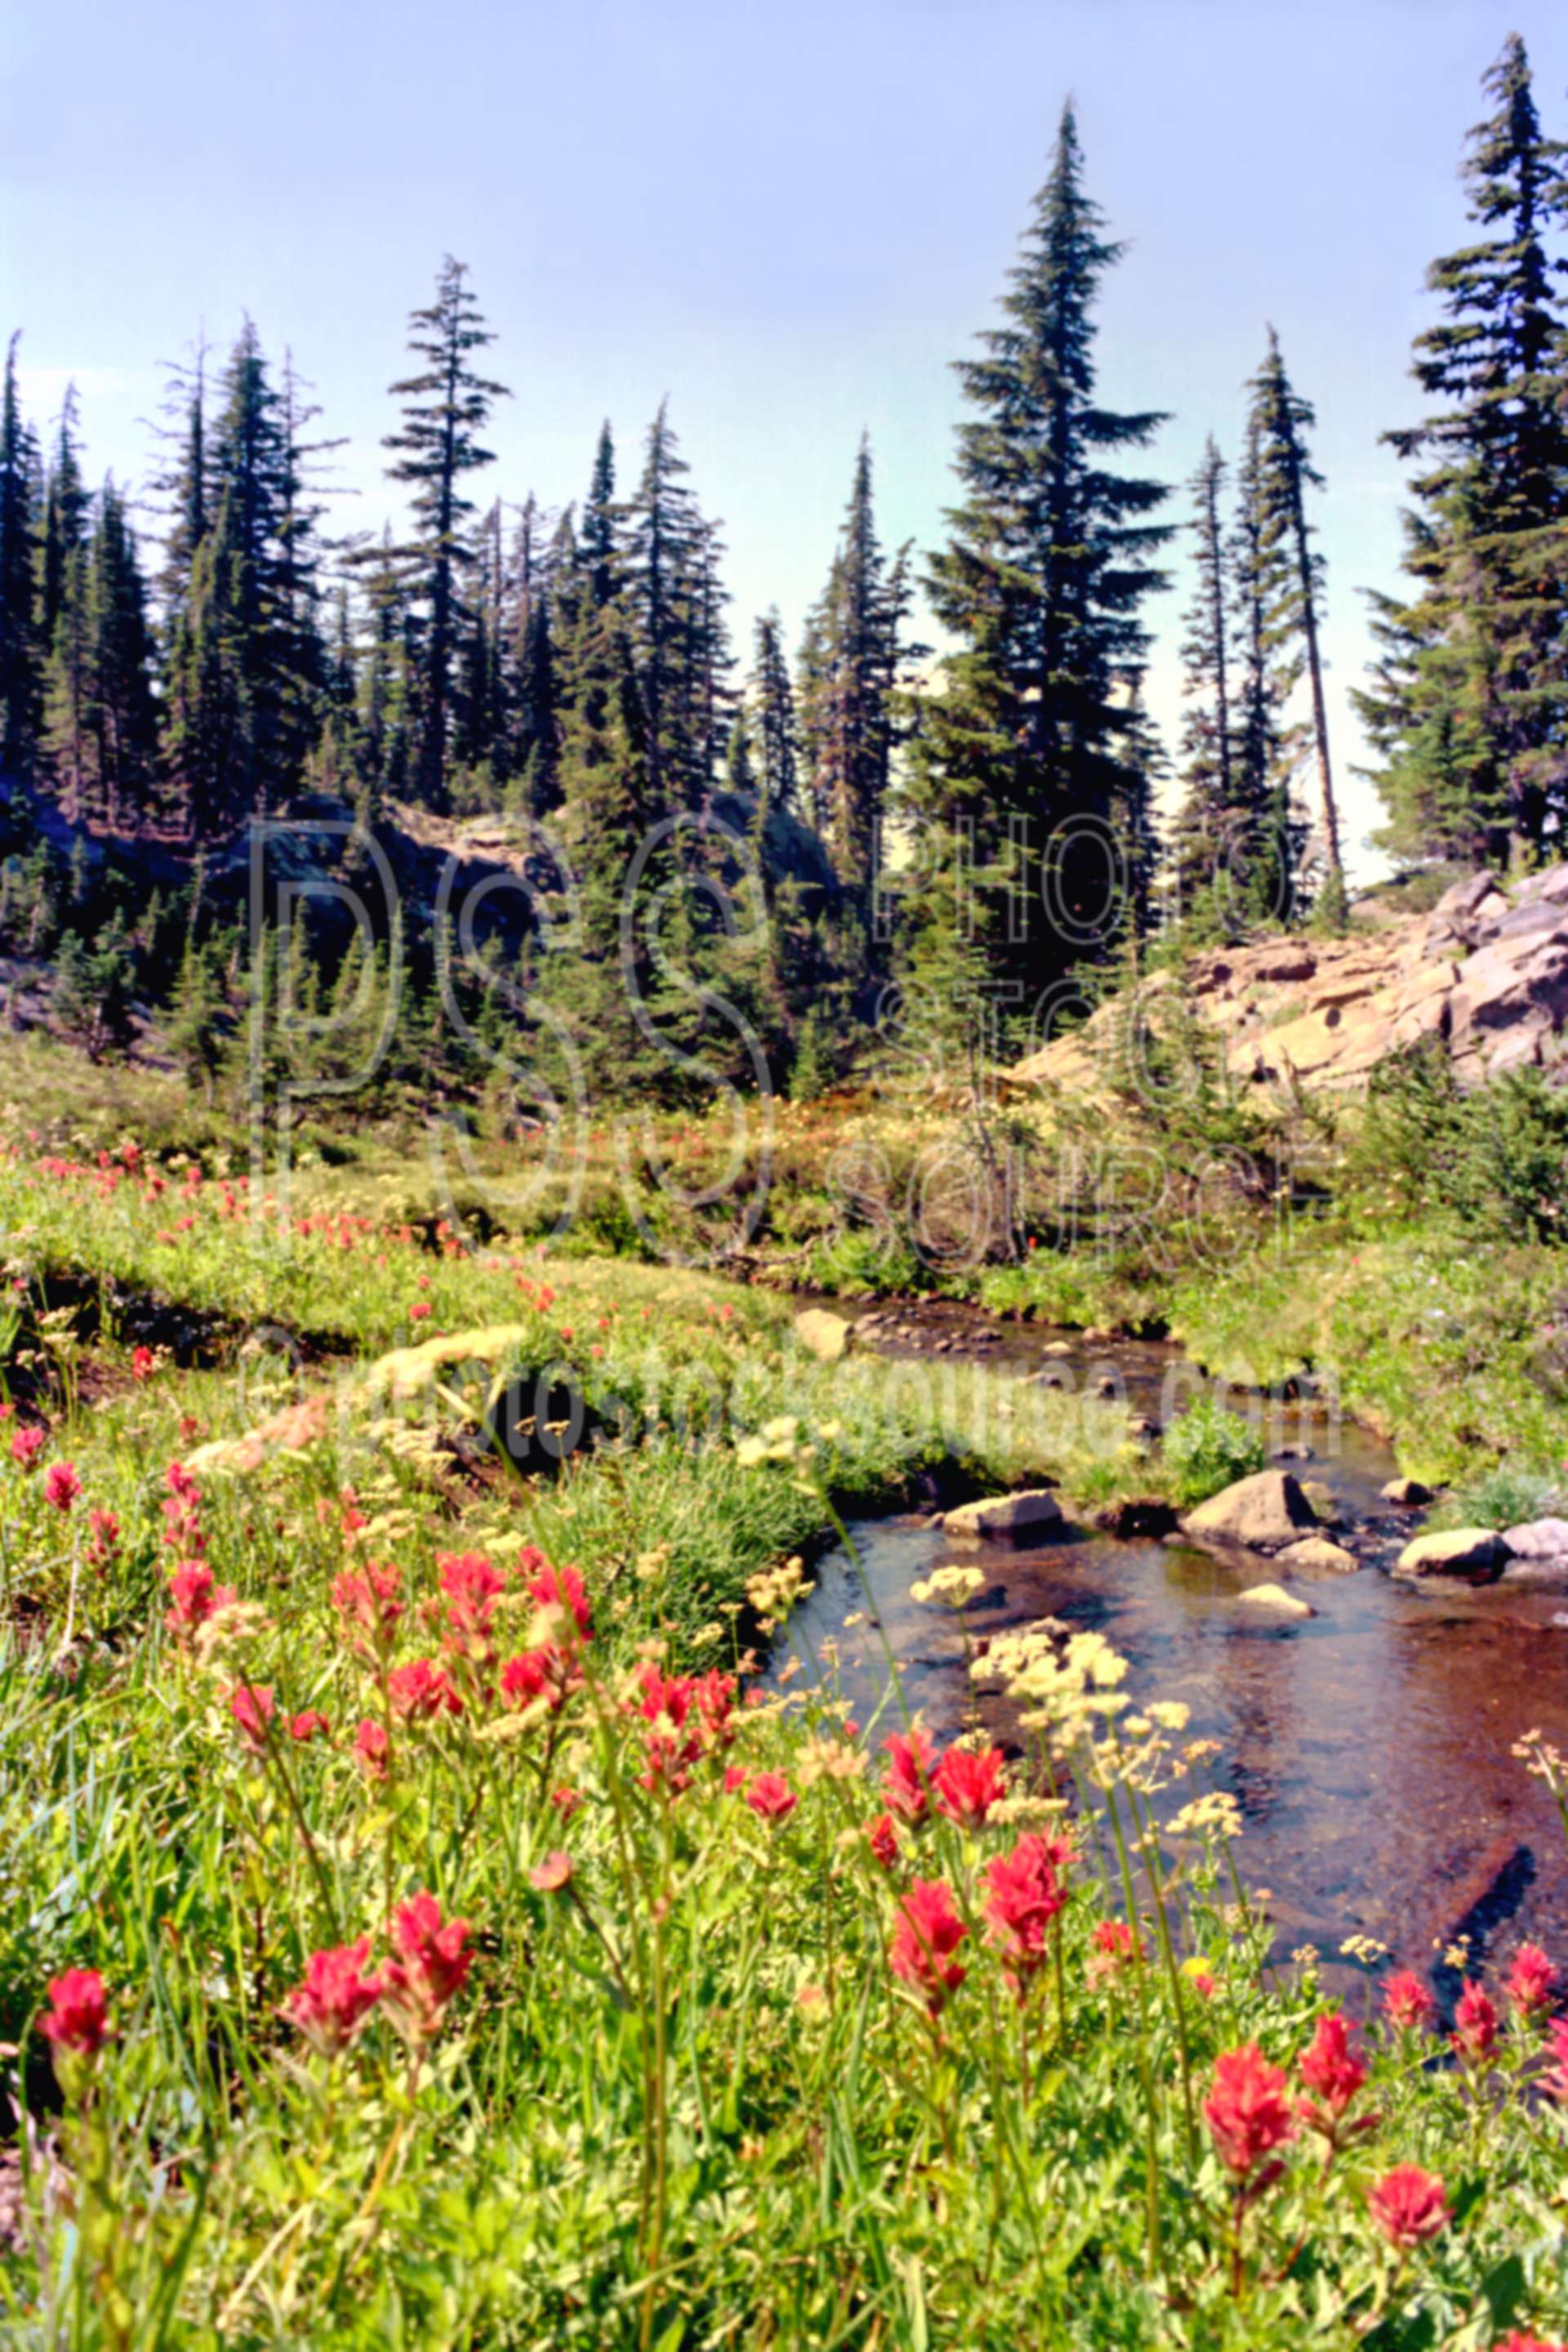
column 1477, row 1553
column 1263, row 1513
column 1317, row 1552
column 1539, row 1539
column 1408, row 1494
column 1004, row 1518
column 825, row 1334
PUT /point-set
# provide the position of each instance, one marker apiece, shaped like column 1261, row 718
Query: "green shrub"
column 1496, row 1158
column 1209, row 1448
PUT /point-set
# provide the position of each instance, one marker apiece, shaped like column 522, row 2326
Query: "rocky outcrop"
column 1004, row 1518
column 1263, row 1513
column 1478, row 1554
column 1486, row 972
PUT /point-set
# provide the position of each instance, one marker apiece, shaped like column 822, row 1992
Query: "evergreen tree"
column 18, row 627
column 1261, row 848
column 598, row 541
column 777, row 741
column 739, row 766
column 1469, row 704
column 1284, row 471
column 243, row 662
column 1050, row 557
column 529, row 696
column 65, row 508
column 847, row 707
column 1208, row 798
column 124, row 718
column 446, row 405
column 664, row 537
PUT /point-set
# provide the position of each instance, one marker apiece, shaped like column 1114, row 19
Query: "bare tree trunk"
column 1315, row 673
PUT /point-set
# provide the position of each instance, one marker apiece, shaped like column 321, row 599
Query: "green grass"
column 683, row 2099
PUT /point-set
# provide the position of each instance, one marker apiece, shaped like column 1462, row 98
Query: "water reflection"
column 1369, row 1746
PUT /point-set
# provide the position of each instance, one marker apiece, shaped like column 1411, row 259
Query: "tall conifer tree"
column 18, row 624
column 446, row 407
column 1469, row 710
column 1050, row 556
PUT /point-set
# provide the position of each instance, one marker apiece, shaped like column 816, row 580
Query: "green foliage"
column 1495, row 1157
column 1206, row 1449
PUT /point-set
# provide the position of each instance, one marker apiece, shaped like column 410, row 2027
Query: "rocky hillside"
column 1486, row 972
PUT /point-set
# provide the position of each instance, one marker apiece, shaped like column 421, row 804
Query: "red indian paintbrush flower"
column 252, row 1705
column 1517, row 2341
column 1332, row 2073
column 906, row 1783
column 472, row 1586
column 195, row 1597
column 1530, row 1981
column 336, row 1996
column 1475, row 2024
column 1024, row 1897
column 366, row 1602
column 771, row 1798
column 78, row 2015
column 420, row 1690
column 1112, row 1947
column 61, row 1485
column 967, row 1785
column 545, row 1673
column 551, row 1875
column 308, row 1724
column 1409, row 2205
column 928, row 1930
column 371, row 1746
column 1248, row 2110
column 883, row 1840
column 1554, row 2081
column 26, row 1447
column 564, row 1589
column 1407, row 2001
column 420, row 1986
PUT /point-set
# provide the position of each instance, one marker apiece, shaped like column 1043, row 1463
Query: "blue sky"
column 790, row 218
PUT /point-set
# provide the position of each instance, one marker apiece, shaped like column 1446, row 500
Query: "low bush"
column 1206, row 1449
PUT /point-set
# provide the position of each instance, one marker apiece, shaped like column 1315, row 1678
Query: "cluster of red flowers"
column 196, row 1596
column 416, row 1988
column 688, row 1716
column 1475, row 2026
column 1024, row 1896
column 926, row 1933
column 61, row 1485
column 1250, row 2117
column 27, row 1445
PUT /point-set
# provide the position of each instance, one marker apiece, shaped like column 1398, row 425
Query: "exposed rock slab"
column 1486, row 972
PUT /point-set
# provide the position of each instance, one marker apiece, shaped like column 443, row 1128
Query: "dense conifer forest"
column 949, row 783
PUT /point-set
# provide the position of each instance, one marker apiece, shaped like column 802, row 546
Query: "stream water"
column 1369, row 1746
